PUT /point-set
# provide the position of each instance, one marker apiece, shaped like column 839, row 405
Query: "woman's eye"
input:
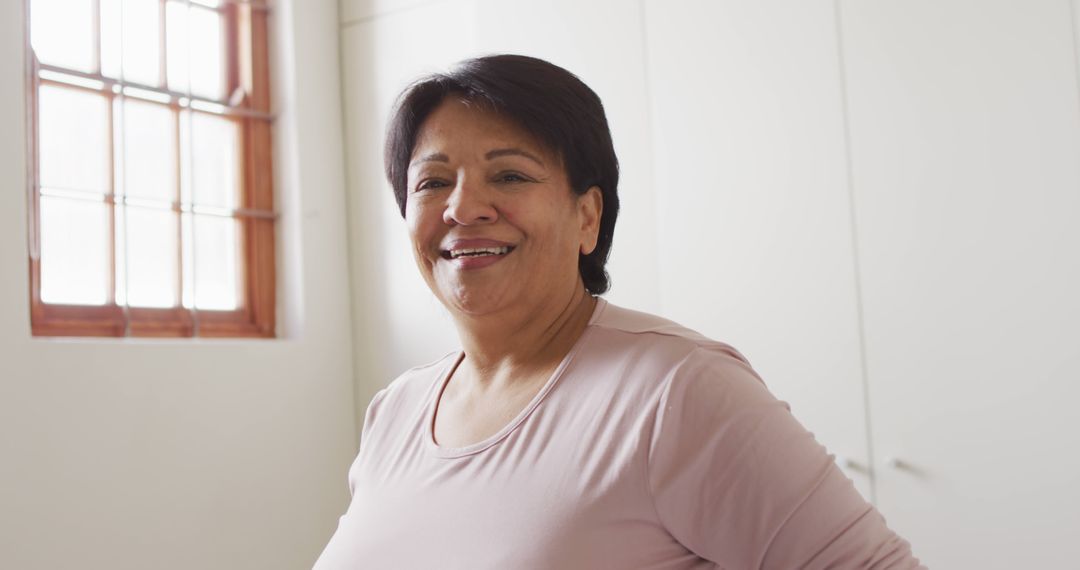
column 430, row 184
column 511, row 177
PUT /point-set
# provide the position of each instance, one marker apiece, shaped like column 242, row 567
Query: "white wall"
column 181, row 454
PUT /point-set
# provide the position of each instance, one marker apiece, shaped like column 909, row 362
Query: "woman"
column 568, row 432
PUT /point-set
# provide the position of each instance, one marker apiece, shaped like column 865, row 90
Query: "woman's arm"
column 739, row 481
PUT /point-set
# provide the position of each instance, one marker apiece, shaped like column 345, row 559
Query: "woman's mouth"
column 476, row 257
column 476, row 252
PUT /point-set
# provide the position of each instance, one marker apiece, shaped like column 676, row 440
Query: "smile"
column 476, row 252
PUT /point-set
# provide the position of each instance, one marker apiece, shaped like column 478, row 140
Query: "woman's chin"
column 474, row 299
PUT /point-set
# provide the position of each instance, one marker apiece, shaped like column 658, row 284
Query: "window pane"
column 111, row 41
column 74, row 251
column 201, row 60
column 130, row 40
column 215, row 152
column 141, row 33
column 215, row 279
column 149, row 151
column 176, row 45
column 149, row 256
column 207, row 54
column 187, row 255
column 74, row 139
column 62, row 33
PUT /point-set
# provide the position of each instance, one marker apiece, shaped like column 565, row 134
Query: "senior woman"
column 568, row 432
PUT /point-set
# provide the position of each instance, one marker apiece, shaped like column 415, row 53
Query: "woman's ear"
column 590, row 208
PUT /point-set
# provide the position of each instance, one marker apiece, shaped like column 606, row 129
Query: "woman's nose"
column 469, row 203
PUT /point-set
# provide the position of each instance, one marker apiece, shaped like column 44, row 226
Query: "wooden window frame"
column 247, row 68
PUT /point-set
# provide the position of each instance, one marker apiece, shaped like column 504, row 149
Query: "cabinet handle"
column 849, row 463
column 910, row 469
column 897, row 463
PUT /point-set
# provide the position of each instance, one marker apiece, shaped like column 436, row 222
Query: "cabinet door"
column 966, row 167
column 753, row 202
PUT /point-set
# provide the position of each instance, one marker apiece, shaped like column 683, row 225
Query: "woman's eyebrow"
column 513, row 152
column 433, row 157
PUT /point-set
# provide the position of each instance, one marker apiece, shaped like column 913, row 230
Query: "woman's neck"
column 522, row 343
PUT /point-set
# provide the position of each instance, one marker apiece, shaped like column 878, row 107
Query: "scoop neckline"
column 474, row 448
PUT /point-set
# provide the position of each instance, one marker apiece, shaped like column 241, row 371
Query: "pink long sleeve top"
column 650, row 447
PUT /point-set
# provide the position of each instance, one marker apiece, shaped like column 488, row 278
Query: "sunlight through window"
column 147, row 119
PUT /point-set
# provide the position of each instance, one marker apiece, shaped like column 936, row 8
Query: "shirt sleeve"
column 366, row 434
column 740, row 482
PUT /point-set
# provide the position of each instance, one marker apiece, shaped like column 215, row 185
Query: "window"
column 151, row 194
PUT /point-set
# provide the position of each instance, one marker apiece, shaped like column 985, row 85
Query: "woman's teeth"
column 478, row 251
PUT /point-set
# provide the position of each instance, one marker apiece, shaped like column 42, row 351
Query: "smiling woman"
column 568, row 432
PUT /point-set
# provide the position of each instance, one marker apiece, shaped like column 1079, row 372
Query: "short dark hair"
column 548, row 102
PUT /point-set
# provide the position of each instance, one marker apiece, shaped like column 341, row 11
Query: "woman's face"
column 492, row 219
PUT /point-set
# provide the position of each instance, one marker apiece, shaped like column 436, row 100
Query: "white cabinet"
column 951, row 244
column 966, row 168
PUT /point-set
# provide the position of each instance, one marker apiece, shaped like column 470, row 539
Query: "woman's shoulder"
column 646, row 333
column 424, row 373
column 411, row 387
